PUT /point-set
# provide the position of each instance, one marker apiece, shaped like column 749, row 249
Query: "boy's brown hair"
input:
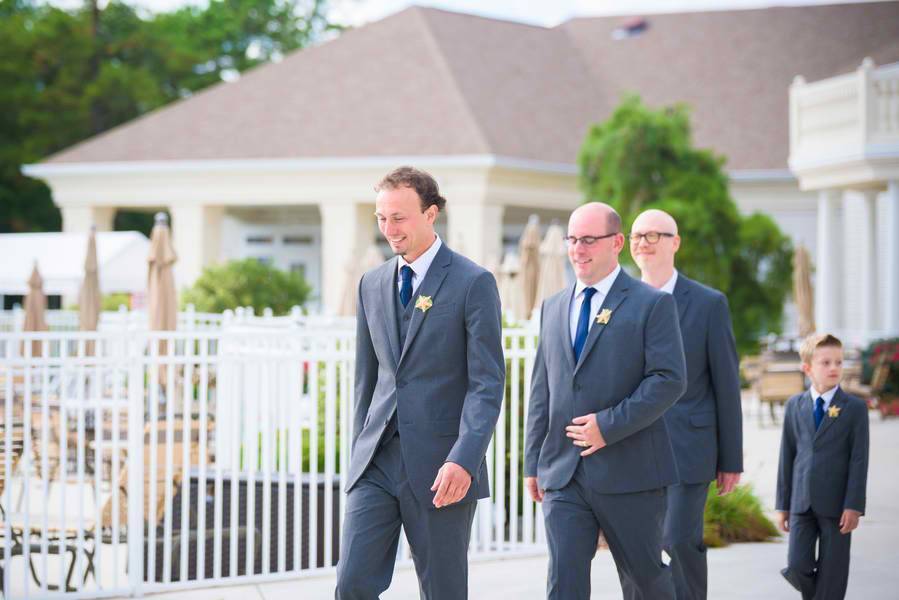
column 815, row 341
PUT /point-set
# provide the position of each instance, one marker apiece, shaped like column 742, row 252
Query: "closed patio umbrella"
column 552, row 264
column 89, row 299
column 35, row 308
column 510, row 293
column 803, row 294
column 529, row 260
column 355, row 270
column 162, row 307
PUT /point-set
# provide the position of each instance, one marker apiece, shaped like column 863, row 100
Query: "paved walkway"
column 741, row 571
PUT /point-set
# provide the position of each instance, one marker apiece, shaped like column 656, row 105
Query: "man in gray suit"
column 706, row 424
column 430, row 379
column 609, row 363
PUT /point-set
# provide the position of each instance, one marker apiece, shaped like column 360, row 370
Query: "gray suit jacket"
column 446, row 384
column 824, row 470
column 630, row 372
column 706, row 424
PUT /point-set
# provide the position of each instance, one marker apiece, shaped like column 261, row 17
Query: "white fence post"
column 135, row 496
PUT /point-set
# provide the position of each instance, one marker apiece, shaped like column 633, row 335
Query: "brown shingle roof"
column 430, row 82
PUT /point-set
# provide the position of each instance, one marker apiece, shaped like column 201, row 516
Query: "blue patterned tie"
column 583, row 323
column 406, row 286
column 819, row 412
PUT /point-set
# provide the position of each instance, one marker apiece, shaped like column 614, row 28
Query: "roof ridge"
column 460, row 96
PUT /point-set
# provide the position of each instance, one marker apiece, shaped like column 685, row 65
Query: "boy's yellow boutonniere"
column 603, row 317
column 423, row 303
column 833, row 412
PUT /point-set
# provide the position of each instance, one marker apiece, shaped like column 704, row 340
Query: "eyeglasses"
column 587, row 240
column 651, row 237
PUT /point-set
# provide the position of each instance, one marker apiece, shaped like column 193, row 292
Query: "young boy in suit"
column 822, row 473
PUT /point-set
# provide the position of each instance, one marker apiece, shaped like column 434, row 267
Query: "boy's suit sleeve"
column 858, row 459
column 785, row 466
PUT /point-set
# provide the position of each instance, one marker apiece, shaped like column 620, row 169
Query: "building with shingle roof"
column 280, row 164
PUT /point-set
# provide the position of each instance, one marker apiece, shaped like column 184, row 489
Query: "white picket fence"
column 134, row 461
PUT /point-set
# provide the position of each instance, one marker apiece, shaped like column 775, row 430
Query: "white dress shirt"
column 828, row 396
column 419, row 266
column 668, row 288
column 602, row 290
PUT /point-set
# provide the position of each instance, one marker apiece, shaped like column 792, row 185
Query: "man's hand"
column 585, row 433
column 530, row 483
column 783, row 520
column 451, row 485
column 727, row 482
column 849, row 520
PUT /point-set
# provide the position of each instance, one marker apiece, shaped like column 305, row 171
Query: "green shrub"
column 736, row 517
column 246, row 282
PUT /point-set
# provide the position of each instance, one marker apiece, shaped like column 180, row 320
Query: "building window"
column 264, row 260
column 297, row 240
column 298, row 268
column 260, row 239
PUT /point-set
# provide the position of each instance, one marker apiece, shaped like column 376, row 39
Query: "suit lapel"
column 837, row 401
column 387, row 283
column 616, row 296
column 682, row 295
column 564, row 309
column 429, row 287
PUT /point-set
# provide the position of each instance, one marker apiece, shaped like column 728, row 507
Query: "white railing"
column 151, row 461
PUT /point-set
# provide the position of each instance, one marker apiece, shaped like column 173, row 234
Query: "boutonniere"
column 603, row 317
column 833, row 412
column 423, row 303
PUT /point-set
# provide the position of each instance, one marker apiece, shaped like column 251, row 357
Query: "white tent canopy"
column 121, row 256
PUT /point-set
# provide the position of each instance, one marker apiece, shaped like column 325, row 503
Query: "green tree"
column 246, row 283
column 644, row 158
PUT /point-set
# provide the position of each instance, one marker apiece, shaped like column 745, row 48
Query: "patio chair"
column 776, row 384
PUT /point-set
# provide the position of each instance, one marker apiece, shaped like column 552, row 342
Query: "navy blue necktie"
column 406, row 286
column 583, row 323
column 819, row 412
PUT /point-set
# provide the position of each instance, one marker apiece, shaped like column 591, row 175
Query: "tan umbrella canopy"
column 355, row 270
column 529, row 257
column 803, row 295
column 35, row 308
column 510, row 293
column 89, row 299
column 552, row 263
column 161, row 298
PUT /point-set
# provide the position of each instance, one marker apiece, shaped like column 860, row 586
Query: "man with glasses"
column 608, row 365
column 706, row 424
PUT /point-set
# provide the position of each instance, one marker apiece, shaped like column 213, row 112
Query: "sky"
column 537, row 12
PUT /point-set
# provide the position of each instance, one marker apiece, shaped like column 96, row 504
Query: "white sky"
column 538, row 12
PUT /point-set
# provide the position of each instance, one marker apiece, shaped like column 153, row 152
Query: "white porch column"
column 475, row 229
column 196, row 235
column 868, row 263
column 828, row 263
column 79, row 219
column 891, row 261
column 347, row 228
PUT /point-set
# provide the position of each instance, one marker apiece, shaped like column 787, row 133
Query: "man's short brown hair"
column 420, row 181
column 815, row 341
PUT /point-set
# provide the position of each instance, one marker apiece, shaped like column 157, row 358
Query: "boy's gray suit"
column 630, row 372
column 706, row 428
column 821, row 473
column 442, row 373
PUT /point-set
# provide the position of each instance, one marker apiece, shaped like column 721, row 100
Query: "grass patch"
column 736, row 517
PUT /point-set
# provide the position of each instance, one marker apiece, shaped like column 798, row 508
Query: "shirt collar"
column 603, row 286
column 828, row 395
column 421, row 264
column 669, row 285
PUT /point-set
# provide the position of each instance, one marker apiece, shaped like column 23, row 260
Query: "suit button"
column 401, row 383
column 577, row 387
column 405, row 317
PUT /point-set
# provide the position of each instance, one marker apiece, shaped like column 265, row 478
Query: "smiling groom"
column 430, row 379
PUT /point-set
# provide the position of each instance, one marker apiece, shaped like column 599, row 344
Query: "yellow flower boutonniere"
column 423, row 303
column 603, row 317
column 833, row 412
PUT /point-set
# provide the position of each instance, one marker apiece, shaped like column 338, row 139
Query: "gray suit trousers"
column 826, row 577
column 381, row 502
column 682, row 539
column 631, row 523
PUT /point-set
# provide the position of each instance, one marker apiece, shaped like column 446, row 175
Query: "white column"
column 868, row 263
column 347, row 229
column 475, row 229
column 196, row 235
column 828, row 263
column 891, row 261
column 80, row 219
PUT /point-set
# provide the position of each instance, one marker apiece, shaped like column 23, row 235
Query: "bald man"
column 608, row 365
column 706, row 424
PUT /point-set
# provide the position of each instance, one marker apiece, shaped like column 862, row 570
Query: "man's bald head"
column 599, row 223
column 654, row 219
